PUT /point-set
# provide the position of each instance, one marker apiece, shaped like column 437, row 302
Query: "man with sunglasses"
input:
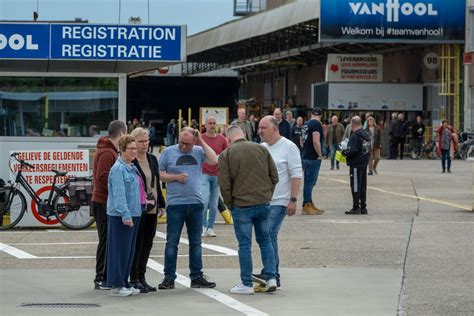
column 180, row 166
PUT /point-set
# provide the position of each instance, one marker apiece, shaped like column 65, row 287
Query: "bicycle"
column 428, row 150
column 73, row 213
column 467, row 146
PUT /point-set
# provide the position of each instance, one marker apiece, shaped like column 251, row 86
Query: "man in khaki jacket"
column 247, row 178
column 334, row 138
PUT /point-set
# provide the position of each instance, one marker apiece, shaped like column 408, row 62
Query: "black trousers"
column 393, row 147
column 100, row 214
column 401, row 142
column 143, row 245
column 359, row 187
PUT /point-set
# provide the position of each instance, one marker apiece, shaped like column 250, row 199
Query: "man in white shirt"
column 286, row 156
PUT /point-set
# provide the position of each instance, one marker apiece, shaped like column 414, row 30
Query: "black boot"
column 138, row 285
column 353, row 211
column 146, row 285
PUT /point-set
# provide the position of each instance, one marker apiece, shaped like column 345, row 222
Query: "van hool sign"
column 416, row 21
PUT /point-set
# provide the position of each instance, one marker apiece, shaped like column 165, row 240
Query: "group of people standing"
column 127, row 200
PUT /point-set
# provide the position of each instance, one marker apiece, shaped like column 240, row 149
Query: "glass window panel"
column 57, row 106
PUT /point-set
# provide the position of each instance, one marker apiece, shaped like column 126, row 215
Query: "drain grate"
column 58, row 305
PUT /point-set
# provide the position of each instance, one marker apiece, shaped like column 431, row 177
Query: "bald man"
column 181, row 167
column 283, row 125
column 247, row 178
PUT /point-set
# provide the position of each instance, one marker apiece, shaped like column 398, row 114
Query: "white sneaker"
column 204, row 232
column 241, row 289
column 271, row 285
column 123, row 291
column 210, row 233
column 134, row 290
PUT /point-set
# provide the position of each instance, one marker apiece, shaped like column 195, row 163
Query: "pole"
column 189, row 117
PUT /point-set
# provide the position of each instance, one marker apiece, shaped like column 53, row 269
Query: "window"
column 57, row 106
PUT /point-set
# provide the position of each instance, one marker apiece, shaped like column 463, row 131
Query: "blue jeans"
column 244, row 219
column 275, row 220
column 170, row 138
column 445, row 156
column 210, row 193
column 333, row 150
column 176, row 216
column 311, row 173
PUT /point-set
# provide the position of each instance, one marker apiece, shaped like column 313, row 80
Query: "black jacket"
column 153, row 162
column 358, row 149
column 285, row 129
column 418, row 130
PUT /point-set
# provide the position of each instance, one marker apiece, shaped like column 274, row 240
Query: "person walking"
column 335, row 134
column 312, row 156
column 243, row 167
column 400, row 131
column 210, row 187
column 171, row 132
column 181, row 167
column 285, row 154
column 297, row 132
column 124, row 208
column 147, row 166
column 393, row 134
column 357, row 154
column 105, row 156
column 375, row 144
column 447, row 144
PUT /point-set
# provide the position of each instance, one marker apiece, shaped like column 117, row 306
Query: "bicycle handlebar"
column 21, row 161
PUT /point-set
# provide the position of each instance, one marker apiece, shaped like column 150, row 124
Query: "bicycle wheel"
column 71, row 217
column 415, row 154
column 12, row 208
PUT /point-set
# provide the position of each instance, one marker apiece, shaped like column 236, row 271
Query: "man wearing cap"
column 313, row 137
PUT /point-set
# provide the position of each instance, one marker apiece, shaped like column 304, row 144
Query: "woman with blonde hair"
column 147, row 166
column 375, row 145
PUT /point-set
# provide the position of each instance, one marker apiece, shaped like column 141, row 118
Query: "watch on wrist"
column 293, row 199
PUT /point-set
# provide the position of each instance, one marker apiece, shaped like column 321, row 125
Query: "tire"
column 415, row 155
column 15, row 201
column 74, row 218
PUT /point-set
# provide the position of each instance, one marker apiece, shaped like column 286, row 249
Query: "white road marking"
column 211, row 293
column 421, row 198
column 66, row 243
column 345, row 221
column 20, row 254
column 224, row 250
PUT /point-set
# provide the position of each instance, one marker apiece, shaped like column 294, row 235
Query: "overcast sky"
column 199, row 15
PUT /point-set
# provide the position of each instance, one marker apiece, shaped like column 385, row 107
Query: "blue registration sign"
column 92, row 42
column 24, row 41
column 116, row 42
column 415, row 21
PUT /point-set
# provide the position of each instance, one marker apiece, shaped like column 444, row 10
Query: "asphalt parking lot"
column 412, row 255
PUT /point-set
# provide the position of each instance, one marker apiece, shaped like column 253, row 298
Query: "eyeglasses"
column 131, row 148
column 186, row 144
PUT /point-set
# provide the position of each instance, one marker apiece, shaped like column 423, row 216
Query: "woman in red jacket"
column 447, row 144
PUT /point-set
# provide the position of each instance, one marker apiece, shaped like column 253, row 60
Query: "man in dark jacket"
column 418, row 131
column 283, row 126
column 104, row 159
column 357, row 154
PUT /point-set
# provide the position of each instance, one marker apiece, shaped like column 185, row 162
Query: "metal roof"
column 255, row 25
